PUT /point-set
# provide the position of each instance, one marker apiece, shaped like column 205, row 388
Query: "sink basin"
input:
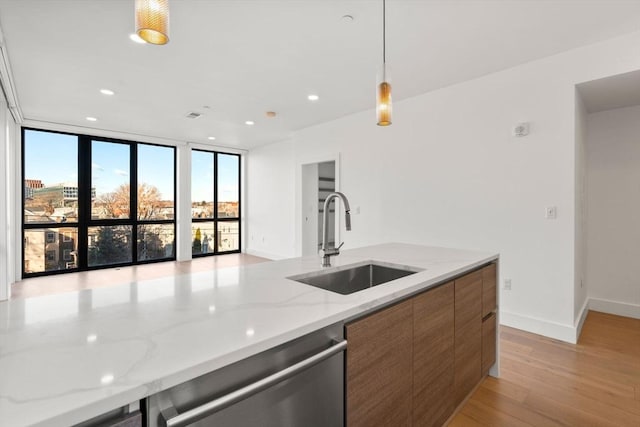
column 349, row 279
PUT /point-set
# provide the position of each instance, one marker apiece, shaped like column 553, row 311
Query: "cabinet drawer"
column 468, row 334
column 488, row 343
column 489, row 277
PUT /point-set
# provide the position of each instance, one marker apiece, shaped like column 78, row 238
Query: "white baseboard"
column 568, row 333
column 582, row 316
column 615, row 307
column 273, row 257
column 538, row 326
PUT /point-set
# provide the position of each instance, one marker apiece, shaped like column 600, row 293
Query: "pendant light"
column 152, row 20
column 383, row 92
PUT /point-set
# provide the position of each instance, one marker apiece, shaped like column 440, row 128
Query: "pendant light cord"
column 384, row 31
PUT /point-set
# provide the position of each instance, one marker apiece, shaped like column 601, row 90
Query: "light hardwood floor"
column 59, row 283
column 545, row 382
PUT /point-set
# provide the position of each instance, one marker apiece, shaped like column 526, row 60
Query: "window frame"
column 216, row 219
column 84, row 220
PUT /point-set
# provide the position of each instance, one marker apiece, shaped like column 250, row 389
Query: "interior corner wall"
column 7, row 194
column 613, row 155
column 270, row 194
column 580, row 306
column 448, row 172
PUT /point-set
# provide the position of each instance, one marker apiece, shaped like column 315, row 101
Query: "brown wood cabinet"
column 414, row 362
column 433, row 340
column 488, row 290
column 488, row 343
column 468, row 334
column 489, row 307
column 379, row 376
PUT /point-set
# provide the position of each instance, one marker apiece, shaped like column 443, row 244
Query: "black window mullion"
column 84, row 199
column 133, row 199
column 215, row 204
column 239, row 203
column 23, row 202
column 175, row 202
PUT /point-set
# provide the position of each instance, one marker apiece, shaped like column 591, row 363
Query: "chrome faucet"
column 326, row 249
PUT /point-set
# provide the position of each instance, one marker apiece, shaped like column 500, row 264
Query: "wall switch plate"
column 507, row 284
column 551, row 212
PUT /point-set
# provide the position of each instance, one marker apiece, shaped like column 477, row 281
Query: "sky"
column 52, row 158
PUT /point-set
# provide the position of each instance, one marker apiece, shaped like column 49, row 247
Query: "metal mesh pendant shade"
column 152, row 21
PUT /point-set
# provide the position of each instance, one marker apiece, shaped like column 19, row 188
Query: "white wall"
column 8, row 166
column 4, row 279
column 613, row 270
column 310, row 195
column 580, row 307
column 448, row 173
column 270, row 214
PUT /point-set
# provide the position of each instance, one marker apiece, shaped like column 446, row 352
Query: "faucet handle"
column 341, row 244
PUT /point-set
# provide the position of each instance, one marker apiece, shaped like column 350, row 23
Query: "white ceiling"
column 620, row 91
column 242, row 58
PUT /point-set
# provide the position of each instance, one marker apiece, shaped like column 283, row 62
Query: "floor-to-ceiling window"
column 92, row 202
column 215, row 202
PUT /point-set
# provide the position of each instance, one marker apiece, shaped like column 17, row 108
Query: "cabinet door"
column 488, row 343
column 468, row 334
column 488, row 290
column 433, row 353
column 379, row 368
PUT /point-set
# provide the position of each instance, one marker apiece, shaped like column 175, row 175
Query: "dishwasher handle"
column 172, row 419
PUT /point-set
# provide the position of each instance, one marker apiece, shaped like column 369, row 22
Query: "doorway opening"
column 318, row 181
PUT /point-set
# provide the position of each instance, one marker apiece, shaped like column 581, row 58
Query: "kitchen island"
column 69, row 357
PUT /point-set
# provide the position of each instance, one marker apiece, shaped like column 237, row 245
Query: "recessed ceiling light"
column 250, row 332
column 92, row 119
column 107, row 379
column 107, row 92
column 313, row 97
column 136, row 38
column 92, row 338
column 211, row 138
column 249, row 123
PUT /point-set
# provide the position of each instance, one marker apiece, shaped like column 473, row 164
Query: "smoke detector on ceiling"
column 521, row 129
column 193, row 115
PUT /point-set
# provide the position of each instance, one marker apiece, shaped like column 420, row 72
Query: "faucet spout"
column 327, row 249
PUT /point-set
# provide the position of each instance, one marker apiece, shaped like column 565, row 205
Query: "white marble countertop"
column 68, row 357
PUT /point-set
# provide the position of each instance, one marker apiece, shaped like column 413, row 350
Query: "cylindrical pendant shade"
column 152, row 21
column 383, row 104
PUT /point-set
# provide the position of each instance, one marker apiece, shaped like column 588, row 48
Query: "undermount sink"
column 349, row 279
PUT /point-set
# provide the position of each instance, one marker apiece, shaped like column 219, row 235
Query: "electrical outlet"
column 507, row 284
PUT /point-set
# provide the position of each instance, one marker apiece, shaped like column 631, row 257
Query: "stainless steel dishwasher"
column 297, row 384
